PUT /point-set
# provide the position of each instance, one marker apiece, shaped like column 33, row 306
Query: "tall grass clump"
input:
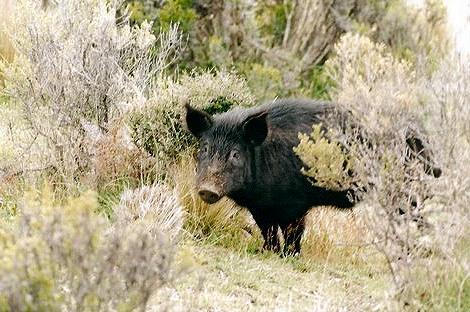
column 65, row 257
column 414, row 219
column 78, row 63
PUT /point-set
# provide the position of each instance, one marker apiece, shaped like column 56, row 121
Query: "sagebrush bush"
column 155, row 207
column 65, row 257
column 410, row 216
column 91, row 69
column 6, row 50
column 380, row 92
column 447, row 118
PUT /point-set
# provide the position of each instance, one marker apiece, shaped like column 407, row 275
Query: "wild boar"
column 247, row 155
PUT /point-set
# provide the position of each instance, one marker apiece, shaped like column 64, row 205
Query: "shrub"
column 57, row 257
column 177, row 11
column 158, row 125
column 388, row 100
column 325, row 161
column 91, row 70
column 413, row 32
column 316, row 83
column 155, row 208
column 379, row 91
column 272, row 18
column 218, row 55
column 266, row 82
column 114, row 157
column 6, row 50
column 142, row 10
column 296, row 37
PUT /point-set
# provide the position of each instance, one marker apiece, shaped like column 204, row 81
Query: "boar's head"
column 226, row 150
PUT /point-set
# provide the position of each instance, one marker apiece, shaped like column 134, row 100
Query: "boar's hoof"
column 209, row 196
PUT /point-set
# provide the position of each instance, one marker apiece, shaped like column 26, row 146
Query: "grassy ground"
column 226, row 280
column 335, row 272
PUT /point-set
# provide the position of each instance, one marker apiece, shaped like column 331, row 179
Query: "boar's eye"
column 234, row 155
column 204, row 149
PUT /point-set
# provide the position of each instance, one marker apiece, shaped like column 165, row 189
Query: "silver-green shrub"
column 155, row 207
column 65, row 257
column 415, row 220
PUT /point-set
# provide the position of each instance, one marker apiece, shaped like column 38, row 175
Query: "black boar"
column 247, row 155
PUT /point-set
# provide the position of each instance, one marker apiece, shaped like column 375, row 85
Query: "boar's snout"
column 209, row 195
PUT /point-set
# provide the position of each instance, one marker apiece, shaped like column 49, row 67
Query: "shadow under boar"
column 247, row 155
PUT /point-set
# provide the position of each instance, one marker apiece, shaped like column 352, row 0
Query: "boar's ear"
column 197, row 121
column 255, row 128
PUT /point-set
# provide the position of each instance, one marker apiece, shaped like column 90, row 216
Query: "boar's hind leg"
column 292, row 233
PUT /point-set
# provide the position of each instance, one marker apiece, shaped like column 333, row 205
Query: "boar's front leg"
column 269, row 231
column 292, row 233
column 271, row 241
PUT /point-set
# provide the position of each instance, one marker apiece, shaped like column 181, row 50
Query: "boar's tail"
column 339, row 199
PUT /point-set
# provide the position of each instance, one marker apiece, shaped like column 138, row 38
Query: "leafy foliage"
column 327, row 164
column 177, row 11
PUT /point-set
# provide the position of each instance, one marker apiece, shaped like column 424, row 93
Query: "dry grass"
column 222, row 223
column 225, row 280
column 332, row 236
